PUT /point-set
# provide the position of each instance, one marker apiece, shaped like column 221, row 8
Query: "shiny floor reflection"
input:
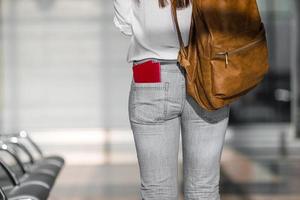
column 243, row 178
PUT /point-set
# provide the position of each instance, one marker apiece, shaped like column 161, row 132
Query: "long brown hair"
column 179, row 3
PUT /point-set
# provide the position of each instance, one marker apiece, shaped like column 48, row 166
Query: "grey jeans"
column 158, row 113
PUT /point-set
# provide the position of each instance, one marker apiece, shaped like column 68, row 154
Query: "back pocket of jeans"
column 148, row 102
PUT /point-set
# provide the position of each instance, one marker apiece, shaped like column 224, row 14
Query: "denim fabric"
column 158, row 113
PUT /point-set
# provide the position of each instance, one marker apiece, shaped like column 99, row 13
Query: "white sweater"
column 151, row 29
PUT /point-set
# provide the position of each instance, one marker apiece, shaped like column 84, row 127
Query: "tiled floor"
column 243, row 178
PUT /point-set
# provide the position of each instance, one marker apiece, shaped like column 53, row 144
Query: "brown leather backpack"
column 227, row 53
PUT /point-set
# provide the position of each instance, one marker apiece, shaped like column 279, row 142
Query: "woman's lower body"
column 158, row 113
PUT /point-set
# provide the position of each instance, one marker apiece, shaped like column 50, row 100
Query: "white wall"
column 64, row 66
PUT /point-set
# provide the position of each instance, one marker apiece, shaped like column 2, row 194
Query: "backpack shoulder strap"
column 174, row 14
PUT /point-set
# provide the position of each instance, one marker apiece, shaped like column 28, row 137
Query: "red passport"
column 147, row 72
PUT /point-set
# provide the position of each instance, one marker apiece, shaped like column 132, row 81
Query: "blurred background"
column 64, row 78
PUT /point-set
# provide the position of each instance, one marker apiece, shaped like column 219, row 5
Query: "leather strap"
column 174, row 14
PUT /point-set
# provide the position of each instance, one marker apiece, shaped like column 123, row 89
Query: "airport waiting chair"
column 35, row 177
column 29, row 190
column 50, row 167
column 29, row 175
column 24, row 137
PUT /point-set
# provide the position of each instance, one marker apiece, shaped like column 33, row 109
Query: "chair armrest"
column 4, row 147
column 13, row 137
column 9, row 173
column 25, row 135
column 2, row 194
column 14, row 142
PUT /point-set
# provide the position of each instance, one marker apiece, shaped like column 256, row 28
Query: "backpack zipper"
column 228, row 53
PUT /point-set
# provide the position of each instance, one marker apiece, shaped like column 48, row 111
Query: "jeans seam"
column 166, row 99
column 182, row 99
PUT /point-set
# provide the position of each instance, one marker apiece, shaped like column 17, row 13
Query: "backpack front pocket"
column 239, row 66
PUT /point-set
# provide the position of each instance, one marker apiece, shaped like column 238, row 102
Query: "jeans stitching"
column 138, row 86
column 182, row 100
column 183, row 89
column 166, row 99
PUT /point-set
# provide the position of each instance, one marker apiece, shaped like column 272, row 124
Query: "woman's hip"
column 157, row 91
